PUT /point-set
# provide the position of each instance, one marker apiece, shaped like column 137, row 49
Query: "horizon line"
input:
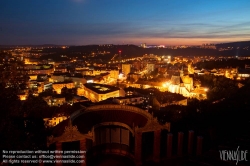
column 121, row 44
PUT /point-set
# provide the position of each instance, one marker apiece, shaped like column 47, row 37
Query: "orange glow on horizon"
column 178, row 41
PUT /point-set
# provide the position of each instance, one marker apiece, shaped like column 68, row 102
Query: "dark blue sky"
column 80, row 22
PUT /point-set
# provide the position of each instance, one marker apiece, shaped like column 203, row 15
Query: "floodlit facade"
column 57, row 86
column 126, row 68
column 55, row 101
column 150, row 67
column 98, row 92
column 51, row 122
column 181, row 84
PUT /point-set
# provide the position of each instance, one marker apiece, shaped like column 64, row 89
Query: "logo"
column 234, row 155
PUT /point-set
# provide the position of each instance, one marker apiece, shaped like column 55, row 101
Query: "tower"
column 120, row 60
column 181, row 72
column 143, row 45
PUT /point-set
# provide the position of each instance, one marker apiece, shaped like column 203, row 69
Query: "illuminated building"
column 57, row 86
column 59, row 77
column 32, row 77
column 51, row 122
column 98, row 92
column 30, row 61
column 200, row 93
column 22, row 96
column 55, row 100
column 129, row 100
column 126, row 69
column 39, row 69
column 61, row 69
column 166, row 59
column 243, row 73
column 143, row 45
column 113, row 73
column 181, row 84
column 190, row 69
column 98, row 71
column 208, row 46
column 77, row 78
column 150, row 67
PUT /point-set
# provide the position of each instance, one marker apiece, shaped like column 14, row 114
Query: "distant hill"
column 106, row 52
column 30, row 45
column 133, row 50
column 235, row 45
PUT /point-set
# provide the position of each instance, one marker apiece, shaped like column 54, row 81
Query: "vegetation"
column 219, row 87
column 223, row 63
column 218, row 121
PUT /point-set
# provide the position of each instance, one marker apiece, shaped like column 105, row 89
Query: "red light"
column 120, row 51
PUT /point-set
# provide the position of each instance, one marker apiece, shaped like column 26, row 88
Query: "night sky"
column 81, row 22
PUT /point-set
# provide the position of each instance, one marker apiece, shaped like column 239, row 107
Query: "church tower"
column 181, row 72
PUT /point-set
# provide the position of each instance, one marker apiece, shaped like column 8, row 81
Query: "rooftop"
column 61, row 74
column 101, row 88
column 65, row 82
column 128, row 97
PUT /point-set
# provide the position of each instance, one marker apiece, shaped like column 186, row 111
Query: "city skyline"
column 83, row 22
